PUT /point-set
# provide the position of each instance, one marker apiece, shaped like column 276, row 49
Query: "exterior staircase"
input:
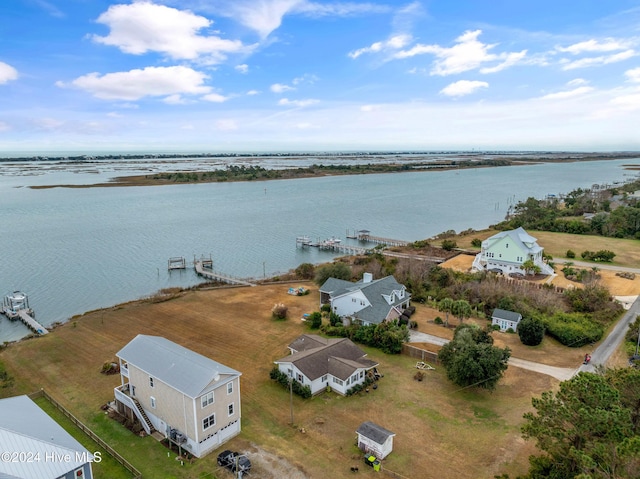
column 143, row 415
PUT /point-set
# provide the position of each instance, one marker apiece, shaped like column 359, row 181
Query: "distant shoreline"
column 408, row 162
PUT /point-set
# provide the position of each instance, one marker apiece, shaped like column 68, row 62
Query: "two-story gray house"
column 190, row 399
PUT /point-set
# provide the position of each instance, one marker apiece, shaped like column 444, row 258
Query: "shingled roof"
column 375, row 292
column 339, row 357
column 374, row 432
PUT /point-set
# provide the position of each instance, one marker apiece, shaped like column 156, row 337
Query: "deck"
column 207, row 272
column 31, row 323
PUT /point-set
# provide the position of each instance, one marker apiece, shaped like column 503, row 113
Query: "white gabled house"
column 505, row 252
column 319, row 362
column 505, row 319
column 190, row 399
column 374, row 439
column 366, row 302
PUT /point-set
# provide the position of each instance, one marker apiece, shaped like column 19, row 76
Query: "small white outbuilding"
column 375, row 439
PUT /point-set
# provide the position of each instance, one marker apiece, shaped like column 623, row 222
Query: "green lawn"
column 108, row 467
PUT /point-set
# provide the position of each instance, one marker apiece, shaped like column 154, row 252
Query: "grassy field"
column 441, row 431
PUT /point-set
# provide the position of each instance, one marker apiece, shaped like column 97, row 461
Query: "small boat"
column 14, row 303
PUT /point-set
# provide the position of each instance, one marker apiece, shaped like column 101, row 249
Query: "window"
column 337, row 381
column 153, row 402
column 354, row 378
column 506, row 245
column 229, row 388
column 300, row 378
column 324, row 378
column 207, row 399
column 150, row 381
column 208, row 422
column 361, row 374
column 230, row 409
column 290, row 373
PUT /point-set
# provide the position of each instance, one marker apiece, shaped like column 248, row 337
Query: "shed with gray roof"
column 375, row 439
column 505, row 319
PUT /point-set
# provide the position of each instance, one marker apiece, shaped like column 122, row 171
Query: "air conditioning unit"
column 180, row 438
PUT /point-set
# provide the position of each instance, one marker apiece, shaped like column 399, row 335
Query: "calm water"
column 74, row 250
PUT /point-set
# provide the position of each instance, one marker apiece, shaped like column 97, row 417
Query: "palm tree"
column 462, row 309
column 446, row 306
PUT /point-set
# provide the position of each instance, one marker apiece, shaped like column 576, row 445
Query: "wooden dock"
column 31, row 323
column 176, row 263
column 204, row 268
column 364, row 235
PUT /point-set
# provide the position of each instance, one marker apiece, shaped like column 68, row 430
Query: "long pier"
column 204, row 268
column 31, row 323
column 364, row 235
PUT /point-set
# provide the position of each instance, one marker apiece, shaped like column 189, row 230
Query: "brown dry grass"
column 457, row 433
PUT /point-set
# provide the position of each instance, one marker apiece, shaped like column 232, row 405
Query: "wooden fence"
column 112, row 452
column 420, row 354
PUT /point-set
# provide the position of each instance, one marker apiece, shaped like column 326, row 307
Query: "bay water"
column 78, row 249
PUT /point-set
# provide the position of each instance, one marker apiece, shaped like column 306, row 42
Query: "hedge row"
column 302, row 391
column 573, row 329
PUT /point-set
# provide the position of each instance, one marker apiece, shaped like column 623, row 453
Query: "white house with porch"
column 366, row 302
column 190, row 399
column 319, row 362
column 505, row 252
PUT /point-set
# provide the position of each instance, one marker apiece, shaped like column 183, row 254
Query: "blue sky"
column 299, row 75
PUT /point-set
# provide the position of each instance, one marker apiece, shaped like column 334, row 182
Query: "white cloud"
column 561, row 95
column 629, row 102
column 7, row 73
column 48, row 123
column 369, row 107
column 253, row 92
column 114, row 114
column 393, row 43
column 509, row 60
column 175, row 99
column 280, row 88
column 299, row 103
column 463, row 87
column 244, row 68
column 577, row 82
column 136, row 84
column 215, row 98
column 598, row 61
column 226, row 125
column 265, row 16
column 142, row 27
column 467, row 54
column 633, row 75
column 608, row 45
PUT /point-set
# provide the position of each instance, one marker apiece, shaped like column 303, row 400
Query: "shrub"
column 531, row 331
column 573, row 329
column 476, row 242
column 315, row 320
column 306, row 271
column 334, row 319
column 570, row 254
column 325, row 308
column 282, row 379
column 438, row 320
column 449, row 244
column 279, row 311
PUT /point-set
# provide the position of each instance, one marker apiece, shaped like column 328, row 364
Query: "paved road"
column 561, row 374
column 599, row 356
column 603, row 352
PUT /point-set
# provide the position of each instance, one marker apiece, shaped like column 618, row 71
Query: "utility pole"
column 291, row 398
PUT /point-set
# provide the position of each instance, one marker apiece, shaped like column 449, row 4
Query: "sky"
column 302, row 75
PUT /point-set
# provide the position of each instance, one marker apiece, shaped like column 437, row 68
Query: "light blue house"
column 506, row 251
column 35, row 446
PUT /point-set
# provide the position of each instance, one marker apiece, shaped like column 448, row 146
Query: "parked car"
column 234, row 461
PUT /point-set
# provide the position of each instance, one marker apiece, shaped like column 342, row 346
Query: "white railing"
column 129, row 402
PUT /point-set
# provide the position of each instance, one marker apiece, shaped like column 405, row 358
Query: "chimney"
column 367, row 277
